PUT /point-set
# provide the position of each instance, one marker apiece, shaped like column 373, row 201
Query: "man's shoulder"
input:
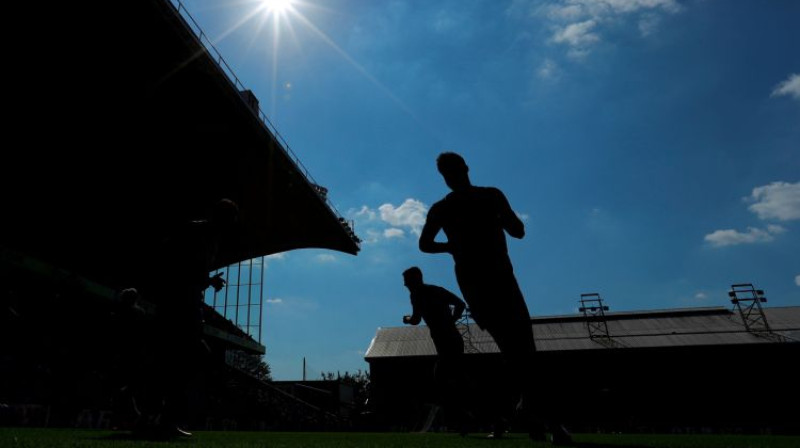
column 491, row 194
column 456, row 200
column 427, row 289
column 437, row 290
column 438, row 207
column 474, row 190
column 441, row 202
column 494, row 191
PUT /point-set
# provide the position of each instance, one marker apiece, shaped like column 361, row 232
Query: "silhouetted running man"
column 188, row 258
column 475, row 221
column 432, row 304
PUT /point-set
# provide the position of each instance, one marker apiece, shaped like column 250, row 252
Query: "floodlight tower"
column 463, row 324
column 594, row 311
column 747, row 300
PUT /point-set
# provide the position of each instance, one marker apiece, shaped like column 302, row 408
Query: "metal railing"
column 216, row 56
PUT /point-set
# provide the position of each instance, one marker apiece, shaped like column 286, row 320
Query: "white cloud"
column 778, row 200
column 566, row 12
column 701, row 296
column 388, row 221
column 573, row 10
column 548, row 69
column 410, row 213
column 325, row 258
column 577, row 34
column 366, row 219
column 578, row 53
column 648, row 24
column 393, row 232
column 278, row 256
column 444, row 23
column 775, row 229
column 365, row 213
column 789, row 87
column 372, row 236
column 580, row 23
column 629, row 6
column 729, row 237
column 292, row 306
column 797, row 280
column 523, row 216
column 454, row 22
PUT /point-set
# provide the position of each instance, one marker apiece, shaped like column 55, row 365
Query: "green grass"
column 24, row 438
column 687, row 441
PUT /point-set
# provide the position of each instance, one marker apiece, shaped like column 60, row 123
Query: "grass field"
column 19, row 438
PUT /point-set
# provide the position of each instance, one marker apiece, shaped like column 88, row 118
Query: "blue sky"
column 652, row 148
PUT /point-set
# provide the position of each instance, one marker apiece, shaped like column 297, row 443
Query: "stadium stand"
column 126, row 123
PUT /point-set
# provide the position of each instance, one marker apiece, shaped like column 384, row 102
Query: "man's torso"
column 471, row 220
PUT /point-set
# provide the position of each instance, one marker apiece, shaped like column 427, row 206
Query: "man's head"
column 412, row 277
column 454, row 170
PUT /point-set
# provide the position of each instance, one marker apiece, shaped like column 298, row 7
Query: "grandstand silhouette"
column 127, row 123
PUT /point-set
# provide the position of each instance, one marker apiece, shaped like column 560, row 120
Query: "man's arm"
column 508, row 219
column 458, row 310
column 432, row 227
column 415, row 317
column 457, row 303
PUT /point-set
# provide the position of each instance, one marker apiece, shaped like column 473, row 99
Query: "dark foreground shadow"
column 143, row 437
column 490, row 441
column 606, row 445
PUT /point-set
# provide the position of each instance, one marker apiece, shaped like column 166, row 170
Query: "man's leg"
column 514, row 338
column 516, row 343
column 452, row 384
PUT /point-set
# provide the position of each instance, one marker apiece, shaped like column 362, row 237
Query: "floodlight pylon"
column 464, row 326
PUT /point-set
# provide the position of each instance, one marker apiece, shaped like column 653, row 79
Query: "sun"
column 276, row 6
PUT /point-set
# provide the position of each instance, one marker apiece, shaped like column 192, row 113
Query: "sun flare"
column 276, row 6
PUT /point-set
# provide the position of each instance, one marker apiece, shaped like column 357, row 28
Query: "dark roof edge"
column 624, row 315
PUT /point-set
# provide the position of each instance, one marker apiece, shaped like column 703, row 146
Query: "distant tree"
column 256, row 366
column 360, row 382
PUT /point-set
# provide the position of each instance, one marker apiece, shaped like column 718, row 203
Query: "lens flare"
column 276, row 6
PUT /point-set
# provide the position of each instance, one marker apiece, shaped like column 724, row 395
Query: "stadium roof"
column 124, row 124
column 635, row 329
